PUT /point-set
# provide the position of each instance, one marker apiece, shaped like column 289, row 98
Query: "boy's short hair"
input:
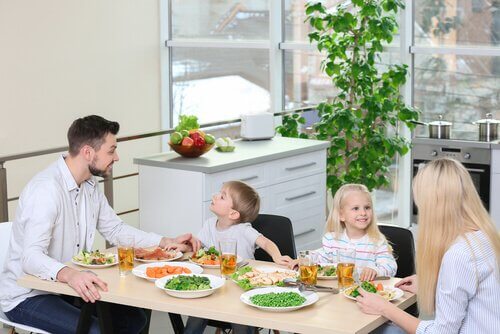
column 90, row 130
column 245, row 200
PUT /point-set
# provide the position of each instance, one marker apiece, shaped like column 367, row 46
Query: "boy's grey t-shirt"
column 244, row 234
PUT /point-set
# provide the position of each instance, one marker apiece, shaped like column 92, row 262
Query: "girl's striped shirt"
column 372, row 254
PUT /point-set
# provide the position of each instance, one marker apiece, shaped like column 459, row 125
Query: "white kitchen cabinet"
column 289, row 174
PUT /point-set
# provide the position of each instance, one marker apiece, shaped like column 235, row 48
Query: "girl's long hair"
column 337, row 227
column 448, row 207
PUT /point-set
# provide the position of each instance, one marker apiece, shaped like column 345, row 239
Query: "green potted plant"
column 363, row 120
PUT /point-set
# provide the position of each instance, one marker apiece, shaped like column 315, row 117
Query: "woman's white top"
column 468, row 289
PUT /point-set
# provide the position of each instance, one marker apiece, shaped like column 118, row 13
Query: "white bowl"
column 140, row 271
column 215, row 282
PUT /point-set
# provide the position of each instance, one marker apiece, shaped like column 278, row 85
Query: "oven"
column 475, row 156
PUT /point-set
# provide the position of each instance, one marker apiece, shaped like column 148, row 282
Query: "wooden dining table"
column 332, row 313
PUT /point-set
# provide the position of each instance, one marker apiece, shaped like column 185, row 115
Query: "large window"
column 229, row 57
column 457, row 62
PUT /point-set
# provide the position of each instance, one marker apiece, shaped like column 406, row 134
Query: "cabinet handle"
column 300, row 166
column 249, row 178
column 300, row 196
column 305, row 232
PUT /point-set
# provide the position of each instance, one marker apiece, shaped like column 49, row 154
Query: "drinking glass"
column 308, row 267
column 228, row 256
column 125, row 255
column 345, row 267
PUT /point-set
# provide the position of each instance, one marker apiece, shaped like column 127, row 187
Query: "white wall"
column 63, row 59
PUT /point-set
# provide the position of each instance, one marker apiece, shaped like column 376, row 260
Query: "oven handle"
column 476, row 170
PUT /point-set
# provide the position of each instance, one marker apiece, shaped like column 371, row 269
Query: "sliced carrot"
column 380, row 287
column 186, row 270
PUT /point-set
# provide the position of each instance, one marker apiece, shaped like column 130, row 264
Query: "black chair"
column 403, row 248
column 278, row 229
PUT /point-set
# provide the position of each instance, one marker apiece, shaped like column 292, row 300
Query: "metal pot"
column 438, row 129
column 488, row 128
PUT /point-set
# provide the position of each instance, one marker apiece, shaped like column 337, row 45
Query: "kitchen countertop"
column 494, row 145
column 246, row 153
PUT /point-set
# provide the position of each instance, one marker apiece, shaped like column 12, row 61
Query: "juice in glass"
column 345, row 275
column 228, row 258
column 125, row 255
column 228, row 264
column 125, row 260
column 308, row 268
column 309, row 274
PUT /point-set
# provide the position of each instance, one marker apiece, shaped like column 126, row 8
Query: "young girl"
column 458, row 258
column 351, row 224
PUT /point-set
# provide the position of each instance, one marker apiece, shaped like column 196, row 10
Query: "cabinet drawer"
column 256, row 176
column 308, row 226
column 300, row 194
column 283, row 170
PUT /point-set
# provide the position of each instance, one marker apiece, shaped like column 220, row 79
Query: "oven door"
column 479, row 173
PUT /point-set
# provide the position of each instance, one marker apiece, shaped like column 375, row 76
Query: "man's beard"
column 98, row 172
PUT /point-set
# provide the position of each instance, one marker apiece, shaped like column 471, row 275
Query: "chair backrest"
column 5, row 229
column 403, row 245
column 278, row 229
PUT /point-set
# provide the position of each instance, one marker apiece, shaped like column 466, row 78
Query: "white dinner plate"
column 311, row 298
column 327, row 277
column 140, row 271
column 96, row 266
column 396, row 293
column 216, row 282
column 239, row 259
column 178, row 255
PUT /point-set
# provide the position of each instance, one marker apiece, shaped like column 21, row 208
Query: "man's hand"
column 184, row 243
column 83, row 282
column 178, row 247
column 409, row 284
column 188, row 239
column 367, row 274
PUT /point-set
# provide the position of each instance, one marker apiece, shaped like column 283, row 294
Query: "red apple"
column 199, row 142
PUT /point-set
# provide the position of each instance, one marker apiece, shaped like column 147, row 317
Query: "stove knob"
column 467, row 156
column 434, row 153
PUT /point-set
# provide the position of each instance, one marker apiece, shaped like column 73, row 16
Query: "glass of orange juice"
column 228, row 256
column 125, row 255
column 308, row 267
column 345, row 267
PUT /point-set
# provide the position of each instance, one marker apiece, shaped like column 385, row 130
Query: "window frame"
column 277, row 46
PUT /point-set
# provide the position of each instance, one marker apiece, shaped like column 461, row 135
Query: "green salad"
column 327, row 270
column 367, row 286
column 94, row 258
column 278, row 299
column 188, row 283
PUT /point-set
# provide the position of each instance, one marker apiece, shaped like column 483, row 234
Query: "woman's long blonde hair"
column 448, row 207
column 337, row 227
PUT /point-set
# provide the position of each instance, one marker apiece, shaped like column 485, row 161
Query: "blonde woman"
column 352, row 224
column 458, row 258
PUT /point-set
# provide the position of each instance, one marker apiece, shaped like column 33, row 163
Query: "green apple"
column 176, row 138
column 209, row 139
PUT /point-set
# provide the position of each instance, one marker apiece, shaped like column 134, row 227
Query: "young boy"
column 235, row 207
